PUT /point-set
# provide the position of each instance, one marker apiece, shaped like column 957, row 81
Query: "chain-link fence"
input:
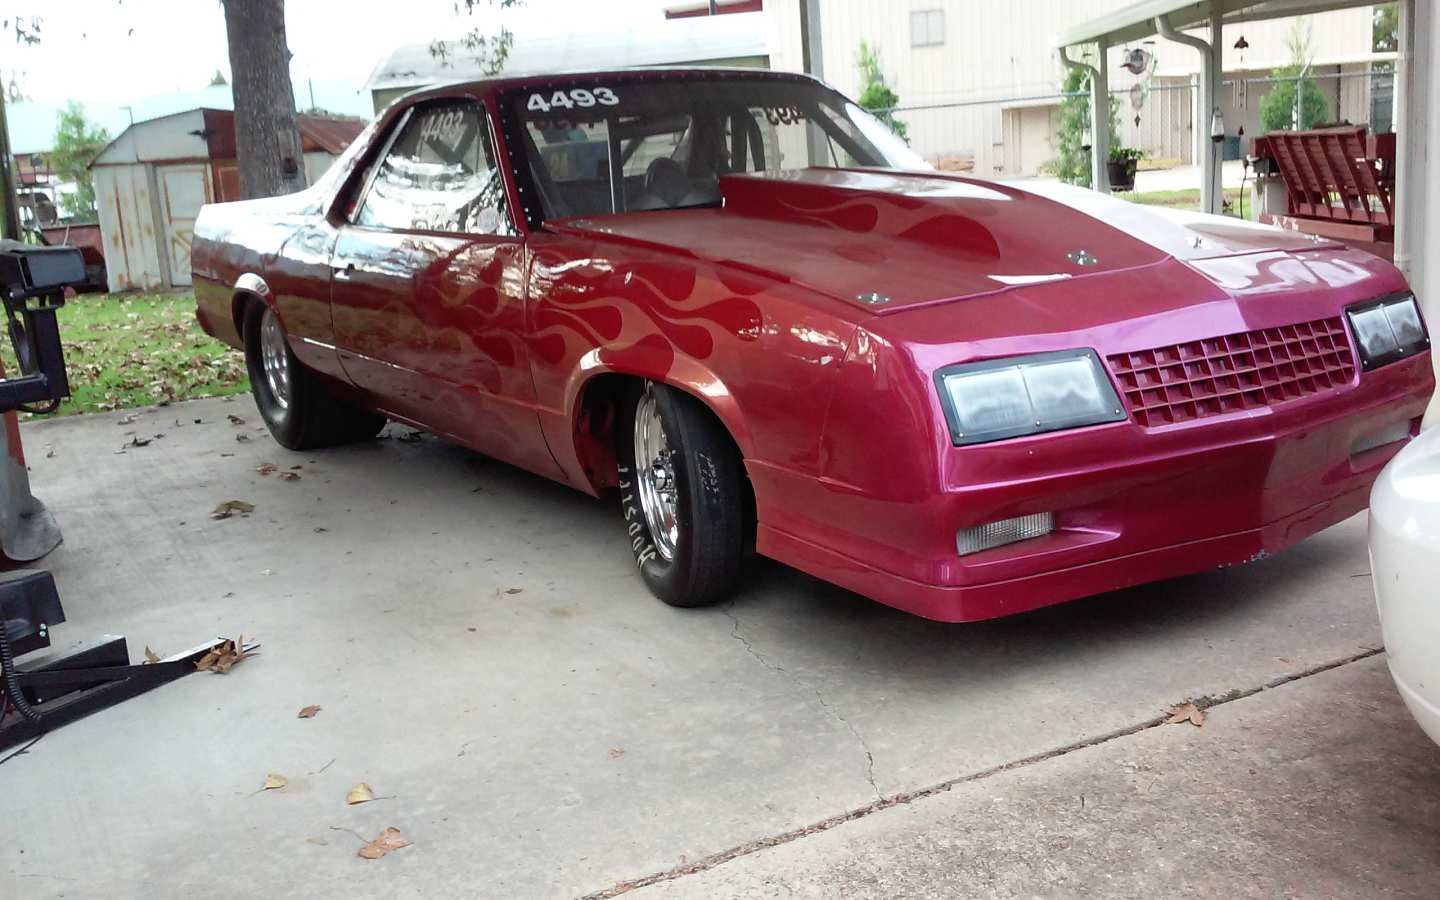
column 1020, row 136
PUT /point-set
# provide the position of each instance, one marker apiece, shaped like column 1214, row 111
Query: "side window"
column 439, row 175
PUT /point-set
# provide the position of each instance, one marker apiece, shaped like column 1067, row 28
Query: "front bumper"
column 1131, row 505
column 1405, row 562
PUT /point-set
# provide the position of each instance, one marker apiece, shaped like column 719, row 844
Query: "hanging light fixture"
column 1217, row 126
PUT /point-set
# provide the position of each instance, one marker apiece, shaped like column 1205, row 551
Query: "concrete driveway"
column 537, row 724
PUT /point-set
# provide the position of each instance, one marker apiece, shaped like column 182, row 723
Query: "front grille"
column 1236, row 372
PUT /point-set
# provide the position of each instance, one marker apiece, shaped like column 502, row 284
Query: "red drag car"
column 739, row 302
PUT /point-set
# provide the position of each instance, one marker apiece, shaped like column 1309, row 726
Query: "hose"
column 12, row 679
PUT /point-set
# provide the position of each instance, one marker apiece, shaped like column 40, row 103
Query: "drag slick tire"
column 300, row 412
column 681, row 496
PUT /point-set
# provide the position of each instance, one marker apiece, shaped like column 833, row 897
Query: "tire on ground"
column 313, row 417
column 711, row 501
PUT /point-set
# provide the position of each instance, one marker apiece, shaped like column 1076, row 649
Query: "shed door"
column 183, row 190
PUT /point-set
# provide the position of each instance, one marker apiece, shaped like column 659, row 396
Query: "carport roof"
column 1137, row 21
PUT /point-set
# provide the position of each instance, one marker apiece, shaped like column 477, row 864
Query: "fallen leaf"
column 360, row 793
column 616, row 752
column 222, row 657
column 128, row 419
column 409, row 437
column 266, row 468
column 308, row 712
column 234, row 420
column 138, row 441
column 289, row 476
column 513, row 590
column 388, row 840
column 1186, row 712
column 232, row 507
column 242, row 438
column 49, row 451
column 274, row 782
column 150, row 657
column 320, row 529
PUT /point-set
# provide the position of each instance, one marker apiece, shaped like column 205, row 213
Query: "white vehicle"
column 1405, row 565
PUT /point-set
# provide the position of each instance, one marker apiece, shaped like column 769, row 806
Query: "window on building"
column 927, row 28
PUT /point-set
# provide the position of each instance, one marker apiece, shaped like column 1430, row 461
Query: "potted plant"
column 1121, row 167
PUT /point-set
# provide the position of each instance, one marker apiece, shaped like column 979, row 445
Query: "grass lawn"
column 129, row 350
column 1190, row 199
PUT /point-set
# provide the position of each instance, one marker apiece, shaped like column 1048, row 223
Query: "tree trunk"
column 267, row 140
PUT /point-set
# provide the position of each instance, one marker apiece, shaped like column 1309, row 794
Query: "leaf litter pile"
column 224, row 656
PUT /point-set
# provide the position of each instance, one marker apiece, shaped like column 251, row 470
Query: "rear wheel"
column 681, row 495
column 298, row 409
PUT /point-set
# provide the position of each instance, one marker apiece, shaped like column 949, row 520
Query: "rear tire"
column 299, row 410
column 682, row 496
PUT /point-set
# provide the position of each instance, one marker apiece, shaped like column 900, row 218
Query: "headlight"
column 1388, row 329
column 1005, row 398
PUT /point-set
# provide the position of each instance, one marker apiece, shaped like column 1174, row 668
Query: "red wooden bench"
column 1339, row 183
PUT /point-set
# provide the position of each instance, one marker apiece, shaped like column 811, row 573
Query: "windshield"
column 662, row 142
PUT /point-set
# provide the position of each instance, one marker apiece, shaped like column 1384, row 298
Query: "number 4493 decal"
column 546, row 101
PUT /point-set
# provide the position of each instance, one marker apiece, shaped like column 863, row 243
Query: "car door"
column 428, row 288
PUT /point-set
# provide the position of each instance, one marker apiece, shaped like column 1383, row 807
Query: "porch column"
column 1211, row 197
column 1100, row 119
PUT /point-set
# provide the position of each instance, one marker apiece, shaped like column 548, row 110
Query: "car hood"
column 886, row 241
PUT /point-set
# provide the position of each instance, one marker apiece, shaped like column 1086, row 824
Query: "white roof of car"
column 672, row 42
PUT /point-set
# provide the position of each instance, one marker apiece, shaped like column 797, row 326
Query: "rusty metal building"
column 151, row 181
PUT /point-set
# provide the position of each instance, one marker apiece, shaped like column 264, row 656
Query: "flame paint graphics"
column 904, row 217
column 642, row 313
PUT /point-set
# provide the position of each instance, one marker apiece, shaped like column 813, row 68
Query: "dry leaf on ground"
column 1185, row 712
column 360, row 793
column 388, row 840
column 223, row 656
column 150, row 656
column 234, row 420
column 289, row 476
column 308, row 712
column 232, row 507
column 242, row 438
column 266, row 468
column 274, row 782
column 617, row 752
column 128, row 419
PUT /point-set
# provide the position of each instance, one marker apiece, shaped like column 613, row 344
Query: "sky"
column 113, row 51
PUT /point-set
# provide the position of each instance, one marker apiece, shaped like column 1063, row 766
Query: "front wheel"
column 681, row 496
column 297, row 408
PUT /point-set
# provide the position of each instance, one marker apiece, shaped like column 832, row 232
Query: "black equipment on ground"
column 52, row 689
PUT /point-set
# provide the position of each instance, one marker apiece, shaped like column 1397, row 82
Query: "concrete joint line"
column 884, row 803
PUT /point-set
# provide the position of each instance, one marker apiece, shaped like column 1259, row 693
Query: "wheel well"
column 238, row 305
column 595, row 436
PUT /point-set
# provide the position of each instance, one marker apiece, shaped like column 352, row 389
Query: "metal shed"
column 151, row 181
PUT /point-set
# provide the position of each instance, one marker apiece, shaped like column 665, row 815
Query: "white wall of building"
column 1003, row 52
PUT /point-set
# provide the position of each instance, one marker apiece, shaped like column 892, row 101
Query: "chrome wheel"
column 274, row 359
column 655, row 476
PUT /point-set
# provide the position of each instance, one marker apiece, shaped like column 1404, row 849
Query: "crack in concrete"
column 729, row 610
column 884, row 803
column 864, row 745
